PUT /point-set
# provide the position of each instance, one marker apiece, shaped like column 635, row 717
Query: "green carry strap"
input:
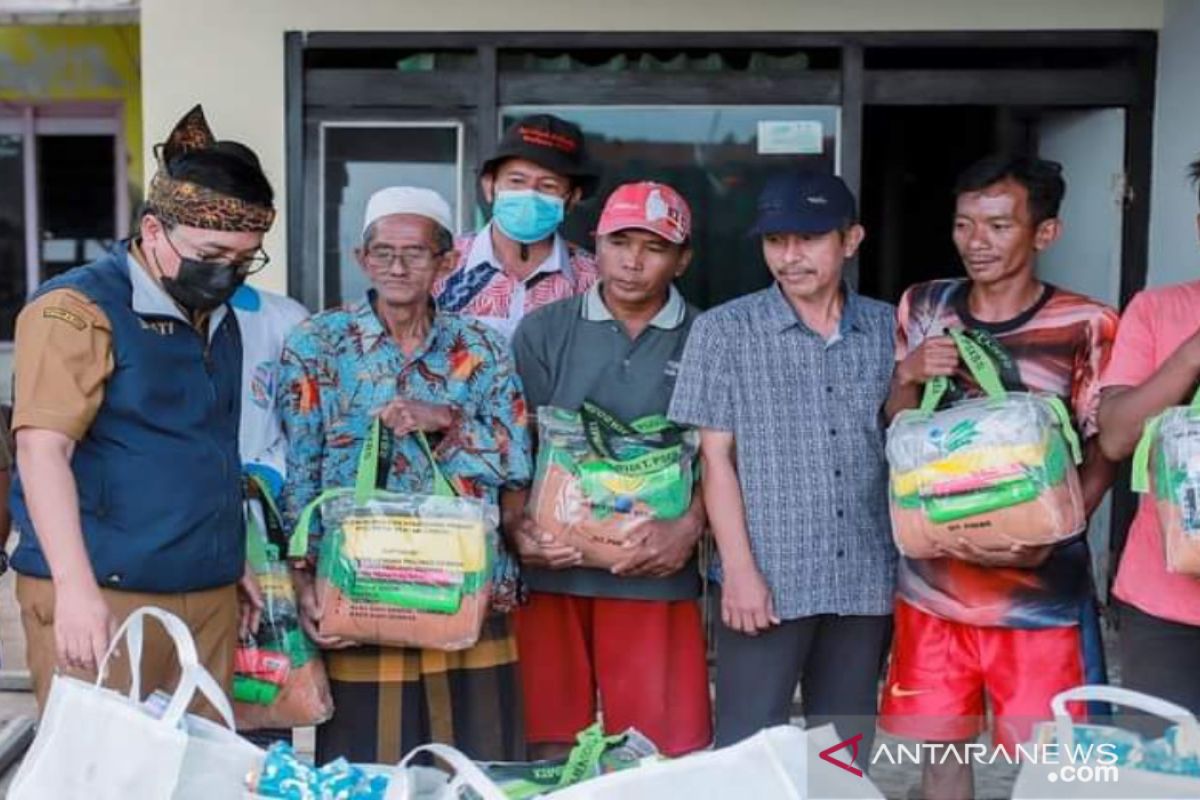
column 259, row 552
column 981, row 366
column 1140, row 479
column 599, row 425
column 275, row 533
column 1067, row 427
column 366, row 480
column 264, row 547
column 582, row 763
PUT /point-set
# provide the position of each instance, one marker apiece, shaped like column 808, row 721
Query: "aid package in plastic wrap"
column 998, row 471
column 1167, row 465
column 598, row 477
column 279, row 678
column 402, row 570
column 406, row 570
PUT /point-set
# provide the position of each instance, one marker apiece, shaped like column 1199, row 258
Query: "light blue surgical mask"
column 527, row 216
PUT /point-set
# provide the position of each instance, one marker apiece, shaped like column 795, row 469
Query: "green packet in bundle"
column 646, row 466
column 594, row 755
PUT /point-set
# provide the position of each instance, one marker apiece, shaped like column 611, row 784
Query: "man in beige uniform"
column 127, row 383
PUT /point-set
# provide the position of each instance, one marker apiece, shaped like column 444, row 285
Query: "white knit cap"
column 408, row 200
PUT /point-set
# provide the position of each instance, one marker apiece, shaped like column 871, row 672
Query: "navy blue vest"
column 158, row 472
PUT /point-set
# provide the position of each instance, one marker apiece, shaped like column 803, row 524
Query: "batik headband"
column 182, row 202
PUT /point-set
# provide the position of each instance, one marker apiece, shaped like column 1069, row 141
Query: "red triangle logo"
column 852, row 745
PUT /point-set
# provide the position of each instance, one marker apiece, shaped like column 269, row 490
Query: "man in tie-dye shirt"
column 1016, row 626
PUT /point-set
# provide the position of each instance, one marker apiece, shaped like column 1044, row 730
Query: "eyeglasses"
column 416, row 259
column 247, row 266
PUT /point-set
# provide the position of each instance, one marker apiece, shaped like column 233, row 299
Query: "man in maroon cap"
column 630, row 634
column 518, row 262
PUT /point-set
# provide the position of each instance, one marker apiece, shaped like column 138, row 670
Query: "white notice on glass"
column 790, row 137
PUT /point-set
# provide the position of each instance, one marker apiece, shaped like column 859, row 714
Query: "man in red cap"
column 630, row 634
column 518, row 262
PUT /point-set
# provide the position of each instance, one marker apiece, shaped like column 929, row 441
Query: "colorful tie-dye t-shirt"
column 340, row 367
column 1059, row 346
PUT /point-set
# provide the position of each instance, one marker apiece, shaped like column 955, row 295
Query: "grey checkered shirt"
column 806, row 417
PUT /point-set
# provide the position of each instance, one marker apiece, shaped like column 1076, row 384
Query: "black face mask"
column 201, row 286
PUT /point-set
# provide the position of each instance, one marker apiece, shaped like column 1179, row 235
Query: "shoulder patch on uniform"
column 70, row 317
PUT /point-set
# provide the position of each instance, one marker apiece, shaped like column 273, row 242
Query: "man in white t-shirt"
column 265, row 319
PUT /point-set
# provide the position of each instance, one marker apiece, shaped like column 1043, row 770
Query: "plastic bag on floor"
column 998, row 470
column 597, row 478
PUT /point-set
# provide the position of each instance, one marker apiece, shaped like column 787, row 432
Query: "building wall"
column 73, row 63
column 48, row 63
column 1174, row 249
column 232, row 56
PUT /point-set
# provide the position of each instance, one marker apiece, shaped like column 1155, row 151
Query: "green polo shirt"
column 573, row 350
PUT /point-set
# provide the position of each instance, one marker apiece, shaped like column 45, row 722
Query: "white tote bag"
column 411, row 782
column 780, row 763
column 94, row 743
column 217, row 760
column 1052, row 782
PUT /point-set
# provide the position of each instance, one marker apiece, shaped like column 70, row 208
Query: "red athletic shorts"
column 645, row 660
column 941, row 672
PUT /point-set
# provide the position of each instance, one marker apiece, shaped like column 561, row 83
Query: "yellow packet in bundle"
column 416, row 542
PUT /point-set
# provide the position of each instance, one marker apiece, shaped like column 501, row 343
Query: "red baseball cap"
column 647, row 206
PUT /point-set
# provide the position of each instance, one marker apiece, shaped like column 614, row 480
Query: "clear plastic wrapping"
column 591, row 489
column 279, row 678
column 996, row 471
column 406, row 570
column 1174, row 481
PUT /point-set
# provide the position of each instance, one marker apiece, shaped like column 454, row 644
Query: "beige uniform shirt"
column 63, row 358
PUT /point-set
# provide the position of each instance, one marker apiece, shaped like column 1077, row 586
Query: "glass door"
column 359, row 158
column 13, row 259
column 64, row 200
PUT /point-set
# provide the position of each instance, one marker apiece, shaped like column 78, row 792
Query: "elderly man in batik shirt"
column 393, row 355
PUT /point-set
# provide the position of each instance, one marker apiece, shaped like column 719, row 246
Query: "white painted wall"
column 1091, row 147
column 229, row 54
column 1174, row 250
